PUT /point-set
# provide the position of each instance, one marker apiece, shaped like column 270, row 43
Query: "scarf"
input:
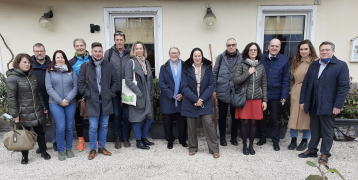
column 61, row 68
column 142, row 64
column 177, row 79
column 326, row 60
column 253, row 63
column 98, row 73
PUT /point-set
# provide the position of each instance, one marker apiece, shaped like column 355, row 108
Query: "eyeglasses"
column 119, row 33
column 230, row 45
column 174, row 53
column 41, row 51
column 252, row 50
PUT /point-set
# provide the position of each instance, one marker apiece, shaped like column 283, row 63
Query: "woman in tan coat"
column 305, row 54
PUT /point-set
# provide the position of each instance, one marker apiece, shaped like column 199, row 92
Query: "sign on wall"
column 354, row 50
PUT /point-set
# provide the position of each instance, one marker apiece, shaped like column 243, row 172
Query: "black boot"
column 140, row 145
column 303, row 145
column 293, row 144
column 146, row 142
column 223, row 142
column 251, row 149
column 24, row 160
column 245, row 150
column 45, row 155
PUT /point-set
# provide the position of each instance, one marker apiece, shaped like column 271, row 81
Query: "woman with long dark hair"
column 61, row 85
column 250, row 75
column 305, row 54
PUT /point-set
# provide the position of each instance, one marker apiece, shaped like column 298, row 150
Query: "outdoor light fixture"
column 94, row 28
column 209, row 17
column 45, row 21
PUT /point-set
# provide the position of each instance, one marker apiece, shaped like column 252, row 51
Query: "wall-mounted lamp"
column 209, row 17
column 45, row 21
column 94, row 28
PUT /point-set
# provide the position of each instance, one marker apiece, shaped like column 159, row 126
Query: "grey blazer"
column 144, row 91
column 61, row 85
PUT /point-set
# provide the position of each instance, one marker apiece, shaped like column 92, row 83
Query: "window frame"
column 133, row 12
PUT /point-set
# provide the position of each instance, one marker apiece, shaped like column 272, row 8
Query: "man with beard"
column 40, row 62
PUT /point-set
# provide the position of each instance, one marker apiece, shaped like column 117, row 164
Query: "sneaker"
column 81, row 144
column 61, row 156
column 69, row 154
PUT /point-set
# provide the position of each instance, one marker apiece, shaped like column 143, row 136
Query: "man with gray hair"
column 81, row 56
column 224, row 70
column 323, row 93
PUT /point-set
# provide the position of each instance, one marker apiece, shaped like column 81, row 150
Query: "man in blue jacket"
column 277, row 68
column 323, row 93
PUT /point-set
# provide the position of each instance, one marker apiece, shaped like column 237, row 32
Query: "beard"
column 40, row 59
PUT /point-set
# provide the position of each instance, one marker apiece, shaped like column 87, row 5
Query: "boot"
column 245, row 150
column 251, row 149
column 293, row 144
column 146, row 142
column 303, row 145
column 118, row 142
column 140, row 145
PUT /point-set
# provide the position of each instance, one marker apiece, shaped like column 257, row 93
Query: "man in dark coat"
column 98, row 91
column 323, row 93
column 277, row 68
column 224, row 70
column 40, row 62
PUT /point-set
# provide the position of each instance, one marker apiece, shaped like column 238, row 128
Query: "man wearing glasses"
column 277, row 68
column 118, row 55
column 40, row 62
column 224, row 70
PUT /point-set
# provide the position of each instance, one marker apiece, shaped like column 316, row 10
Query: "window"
column 289, row 24
column 138, row 24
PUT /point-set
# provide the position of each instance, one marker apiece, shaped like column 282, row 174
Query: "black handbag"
column 238, row 100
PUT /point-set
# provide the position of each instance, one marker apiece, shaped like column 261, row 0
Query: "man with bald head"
column 277, row 68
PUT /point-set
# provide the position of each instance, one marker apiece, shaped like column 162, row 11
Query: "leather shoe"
column 323, row 159
column 146, row 142
column 24, row 160
column 307, row 154
column 276, row 147
column 45, row 155
column 302, row 146
column 251, row 149
column 216, row 155
column 293, row 144
column 245, row 151
column 38, row 151
column 170, row 145
column 118, row 142
column 184, row 144
column 192, row 153
column 261, row 142
column 223, row 142
column 140, row 145
column 234, row 142
column 92, row 154
column 104, row 151
column 127, row 143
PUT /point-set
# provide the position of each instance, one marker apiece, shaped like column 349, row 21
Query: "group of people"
column 43, row 94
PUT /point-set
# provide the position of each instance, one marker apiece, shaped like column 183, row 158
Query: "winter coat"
column 256, row 83
column 90, row 91
column 278, row 76
column 144, row 91
column 224, row 77
column 61, row 85
column 167, row 86
column 119, row 63
column 24, row 98
column 333, row 87
column 77, row 61
column 40, row 73
column 189, row 89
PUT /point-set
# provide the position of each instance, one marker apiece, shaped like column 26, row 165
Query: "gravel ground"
column 162, row 163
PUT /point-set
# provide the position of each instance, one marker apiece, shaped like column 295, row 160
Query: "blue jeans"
column 103, row 129
column 64, row 124
column 120, row 130
column 146, row 127
column 306, row 133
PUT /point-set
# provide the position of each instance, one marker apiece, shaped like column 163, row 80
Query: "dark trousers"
column 168, row 127
column 78, row 120
column 321, row 126
column 222, row 120
column 39, row 130
column 274, row 107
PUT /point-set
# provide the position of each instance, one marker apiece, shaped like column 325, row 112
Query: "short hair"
column 231, row 39
column 17, row 60
column 173, row 47
column 119, row 33
column 273, row 39
column 38, row 45
column 133, row 54
column 327, row 43
column 96, row 44
column 78, row 39
column 53, row 62
column 245, row 53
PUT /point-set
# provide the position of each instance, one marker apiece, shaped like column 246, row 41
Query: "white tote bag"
column 128, row 96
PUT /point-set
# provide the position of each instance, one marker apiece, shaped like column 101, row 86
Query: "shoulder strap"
column 87, row 71
column 110, row 54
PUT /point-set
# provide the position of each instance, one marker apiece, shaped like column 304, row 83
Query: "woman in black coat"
column 171, row 96
column 25, row 101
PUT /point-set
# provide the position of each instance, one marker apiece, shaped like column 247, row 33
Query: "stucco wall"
column 182, row 24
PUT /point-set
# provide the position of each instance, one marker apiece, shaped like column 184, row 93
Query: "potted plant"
column 322, row 175
column 157, row 127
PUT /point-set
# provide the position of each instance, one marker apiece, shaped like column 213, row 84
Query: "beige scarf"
column 142, row 64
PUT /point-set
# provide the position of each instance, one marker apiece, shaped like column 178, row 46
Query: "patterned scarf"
column 142, row 64
column 61, row 68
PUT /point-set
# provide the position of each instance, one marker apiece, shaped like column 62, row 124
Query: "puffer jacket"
column 24, row 97
column 119, row 63
column 224, row 76
column 256, row 83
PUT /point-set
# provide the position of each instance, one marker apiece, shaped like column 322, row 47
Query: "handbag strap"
column 134, row 80
column 348, row 138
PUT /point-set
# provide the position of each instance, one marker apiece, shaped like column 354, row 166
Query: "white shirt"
column 271, row 56
column 322, row 67
column 198, row 78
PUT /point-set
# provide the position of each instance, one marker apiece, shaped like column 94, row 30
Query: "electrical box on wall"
column 354, row 50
